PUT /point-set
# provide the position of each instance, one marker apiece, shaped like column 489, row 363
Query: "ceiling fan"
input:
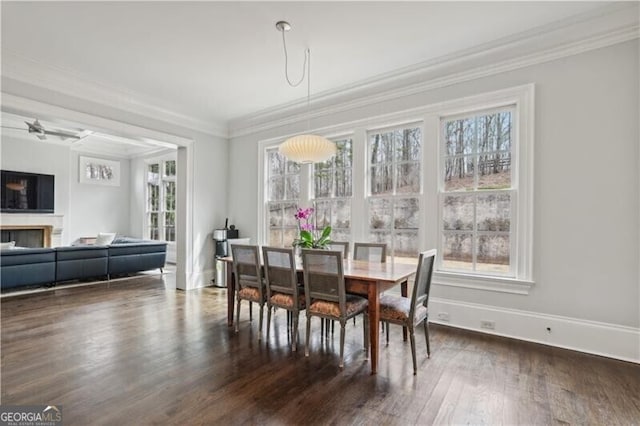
column 42, row 133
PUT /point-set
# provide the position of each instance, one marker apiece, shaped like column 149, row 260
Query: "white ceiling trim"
column 22, row 106
column 19, row 68
column 561, row 39
column 270, row 120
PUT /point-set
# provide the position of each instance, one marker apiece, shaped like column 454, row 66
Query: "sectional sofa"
column 39, row 266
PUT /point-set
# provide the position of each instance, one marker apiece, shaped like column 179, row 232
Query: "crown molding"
column 70, row 83
column 604, row 27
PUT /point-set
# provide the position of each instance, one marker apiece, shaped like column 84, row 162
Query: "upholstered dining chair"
column 282, row 286
column 249, row 283
column 340, row 245
column 325, row 295
column 411, row 312
column 371, row 252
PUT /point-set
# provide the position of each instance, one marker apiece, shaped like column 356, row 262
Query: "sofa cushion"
column 27, row 256
column 81, row 252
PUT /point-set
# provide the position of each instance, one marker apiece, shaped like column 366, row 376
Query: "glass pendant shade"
column 308, row 149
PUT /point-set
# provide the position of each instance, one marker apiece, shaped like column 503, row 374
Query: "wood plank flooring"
column 133, row 352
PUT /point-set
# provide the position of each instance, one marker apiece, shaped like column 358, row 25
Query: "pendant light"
column 306, row 148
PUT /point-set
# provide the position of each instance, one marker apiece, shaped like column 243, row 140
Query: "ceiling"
column 87, row 141
column 223, row 60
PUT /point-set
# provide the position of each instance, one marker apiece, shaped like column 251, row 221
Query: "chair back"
column 246, row 267
column 280, row 271
column 324, row 277
column 422, row 285
column 340, row 245
column 371, row 252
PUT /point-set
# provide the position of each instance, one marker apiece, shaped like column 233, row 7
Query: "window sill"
column 479, row 282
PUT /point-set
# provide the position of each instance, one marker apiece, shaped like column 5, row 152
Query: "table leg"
column 374, row 325
column 231, row 293
column 403, row 292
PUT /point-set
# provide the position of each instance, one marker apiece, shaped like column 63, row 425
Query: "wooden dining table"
column 368, row 279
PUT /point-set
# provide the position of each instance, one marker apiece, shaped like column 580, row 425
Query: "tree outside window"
column 394, row 189
column 477, row 193
column 333, row 190
column 283, row 195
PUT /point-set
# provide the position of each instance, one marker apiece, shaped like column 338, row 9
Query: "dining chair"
column 325, row 294
column 371, row 252
column 411, row 312
column 340, row 245
column 283, row 290
column 249, row 283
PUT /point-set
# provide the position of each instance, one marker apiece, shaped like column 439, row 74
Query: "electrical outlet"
column 489, row 325
column 443, row 316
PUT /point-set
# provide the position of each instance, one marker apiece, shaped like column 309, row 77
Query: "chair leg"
column 333, row 326
column 342, row 324
column 294, row 332
column 322, row 321
column 269, row 309
column 238, row 316
column 250, row 311
column 260, row 323
column 426, row 336
column 412, row 337
column 366, row 326
column 386, row 325
column 306, row 346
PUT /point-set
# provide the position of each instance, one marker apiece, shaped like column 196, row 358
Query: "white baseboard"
column 196, row 279
column 610, row 340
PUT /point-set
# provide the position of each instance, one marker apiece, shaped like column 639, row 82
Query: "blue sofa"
column 30, row 266
column 127, row 255
column 37, row 266
column 81, row 262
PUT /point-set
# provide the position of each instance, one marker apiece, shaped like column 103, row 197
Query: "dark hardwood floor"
column 131, row 352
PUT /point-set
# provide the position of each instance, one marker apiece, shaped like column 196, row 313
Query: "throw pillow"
column 9, row 245
column 105, row 238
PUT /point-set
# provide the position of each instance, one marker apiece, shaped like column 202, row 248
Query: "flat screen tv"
column 27, row 192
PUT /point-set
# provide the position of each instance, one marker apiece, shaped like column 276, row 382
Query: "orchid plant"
column 309, row 237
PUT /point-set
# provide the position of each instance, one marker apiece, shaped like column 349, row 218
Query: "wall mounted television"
column 24, row 192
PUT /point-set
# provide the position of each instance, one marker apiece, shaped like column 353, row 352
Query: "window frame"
column 313, row 199
column 394, row 196
column 161, row 162
column 523, row 100
column 443, row 193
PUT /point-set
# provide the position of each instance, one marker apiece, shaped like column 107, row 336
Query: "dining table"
column 368, row 279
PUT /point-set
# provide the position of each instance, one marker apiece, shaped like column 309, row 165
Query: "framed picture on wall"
column 99, row 171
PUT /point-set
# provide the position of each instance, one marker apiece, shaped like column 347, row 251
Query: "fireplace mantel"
column 50, row 223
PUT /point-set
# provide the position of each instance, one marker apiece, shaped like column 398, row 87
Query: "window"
column 457, row 176
column 394, row 188
column 477, row 193
column 333, row 190
column 283, row 194
column 161, row 200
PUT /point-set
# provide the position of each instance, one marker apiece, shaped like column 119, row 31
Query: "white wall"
column 586, row 215
column 98, row 208
column 87, row 209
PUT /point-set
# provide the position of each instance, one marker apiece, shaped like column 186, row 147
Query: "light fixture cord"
column 307, row 57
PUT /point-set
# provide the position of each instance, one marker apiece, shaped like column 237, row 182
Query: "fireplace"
column 27, row 235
